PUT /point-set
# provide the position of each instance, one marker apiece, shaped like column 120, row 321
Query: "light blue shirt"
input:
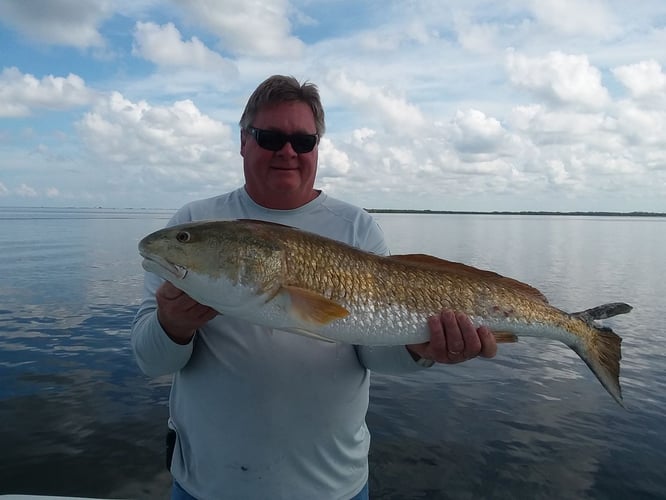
column 261, row 413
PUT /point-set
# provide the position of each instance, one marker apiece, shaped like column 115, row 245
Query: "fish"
column 297, row 281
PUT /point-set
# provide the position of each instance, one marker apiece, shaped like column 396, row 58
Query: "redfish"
column 292, row 280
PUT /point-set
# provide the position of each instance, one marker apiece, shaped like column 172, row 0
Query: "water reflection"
column 79, row 419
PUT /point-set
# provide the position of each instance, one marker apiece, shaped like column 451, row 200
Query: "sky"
column 555, row 105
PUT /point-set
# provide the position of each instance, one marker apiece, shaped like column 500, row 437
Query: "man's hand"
column 179, row 314
column 454, row 339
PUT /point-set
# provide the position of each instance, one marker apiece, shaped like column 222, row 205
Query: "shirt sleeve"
column 155, row 353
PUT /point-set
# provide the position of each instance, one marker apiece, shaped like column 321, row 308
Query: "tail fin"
column 603, row 356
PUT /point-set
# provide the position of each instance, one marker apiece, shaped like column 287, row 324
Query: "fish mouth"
column 160, row 266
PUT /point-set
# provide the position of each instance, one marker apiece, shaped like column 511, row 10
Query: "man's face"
column 280, row 179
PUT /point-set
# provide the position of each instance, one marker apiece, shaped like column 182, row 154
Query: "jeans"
column 178, row 493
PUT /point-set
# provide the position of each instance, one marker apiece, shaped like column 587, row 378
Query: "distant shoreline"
column 390, row 211
column 507, row 212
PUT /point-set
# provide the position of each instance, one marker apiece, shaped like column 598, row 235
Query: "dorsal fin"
column 448, row 266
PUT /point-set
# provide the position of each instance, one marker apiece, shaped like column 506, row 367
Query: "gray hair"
column 277, row 89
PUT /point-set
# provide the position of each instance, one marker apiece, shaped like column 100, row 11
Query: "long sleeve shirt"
column 258, row 412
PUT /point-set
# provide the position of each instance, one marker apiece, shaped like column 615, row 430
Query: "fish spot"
column 243, row 468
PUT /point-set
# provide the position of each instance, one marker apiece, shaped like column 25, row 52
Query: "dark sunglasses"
column 275, row 141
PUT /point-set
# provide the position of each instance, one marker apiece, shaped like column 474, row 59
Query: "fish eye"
column 183, row 236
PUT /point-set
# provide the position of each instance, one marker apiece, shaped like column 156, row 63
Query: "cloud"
column 153, row 150
column 474, row 132
column 587, row 18
column 332, row 161
column 248, row 27
column 559, row 78
column 479, row 37
column 163, row 46
column 393, row 111
column 642, row 128
column 546, row 126
column 389, row 38
column 643, row 79
column 21, row 94
column 26, row 191
column 427, row 106
column 59, row 22
column 122, row 131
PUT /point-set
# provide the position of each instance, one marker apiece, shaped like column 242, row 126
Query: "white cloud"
column 249, row 27
column 547, row 126
column 393, row 37
column 393, row 111
column 332, row 161
column 61, row 22
column 427, row 107
column 643, row 79
column 474, row 132
column 119, row 130
column 588, row 18
column 20, row 93
column 480, row 37
column 26, row 191
column 163, row 46
column 642, row 127
column 559, row 78
column 159, row 149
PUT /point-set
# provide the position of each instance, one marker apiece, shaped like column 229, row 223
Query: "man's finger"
column 437, row 344
column 454, row 339
column 469, row 335
column 488, row 343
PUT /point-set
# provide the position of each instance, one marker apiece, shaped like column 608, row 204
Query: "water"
column 80, row 419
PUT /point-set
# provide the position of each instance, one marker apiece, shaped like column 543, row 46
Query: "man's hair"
column 277, row 89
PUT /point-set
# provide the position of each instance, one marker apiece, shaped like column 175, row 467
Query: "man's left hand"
column 454, row 339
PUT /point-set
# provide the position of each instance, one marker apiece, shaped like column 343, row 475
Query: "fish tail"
column 602, row 354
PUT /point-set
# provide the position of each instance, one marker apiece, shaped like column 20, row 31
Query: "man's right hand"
column 179, row 314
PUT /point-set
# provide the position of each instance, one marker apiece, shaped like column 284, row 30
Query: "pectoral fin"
column 311, row 307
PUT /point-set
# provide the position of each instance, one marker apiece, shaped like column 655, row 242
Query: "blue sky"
column 458, row 105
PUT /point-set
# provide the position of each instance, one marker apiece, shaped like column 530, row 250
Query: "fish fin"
column 603, row 358
column 313, row 308
column 604, row 311
column 505, row 337
column 466, row 270
column 264, row 223
column 306, row 333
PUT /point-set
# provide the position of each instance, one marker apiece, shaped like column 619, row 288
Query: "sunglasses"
column 275, row 141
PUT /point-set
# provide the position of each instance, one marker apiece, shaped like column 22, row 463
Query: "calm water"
column 78, row 418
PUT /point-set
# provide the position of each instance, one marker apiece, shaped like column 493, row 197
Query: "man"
column 260, row 413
